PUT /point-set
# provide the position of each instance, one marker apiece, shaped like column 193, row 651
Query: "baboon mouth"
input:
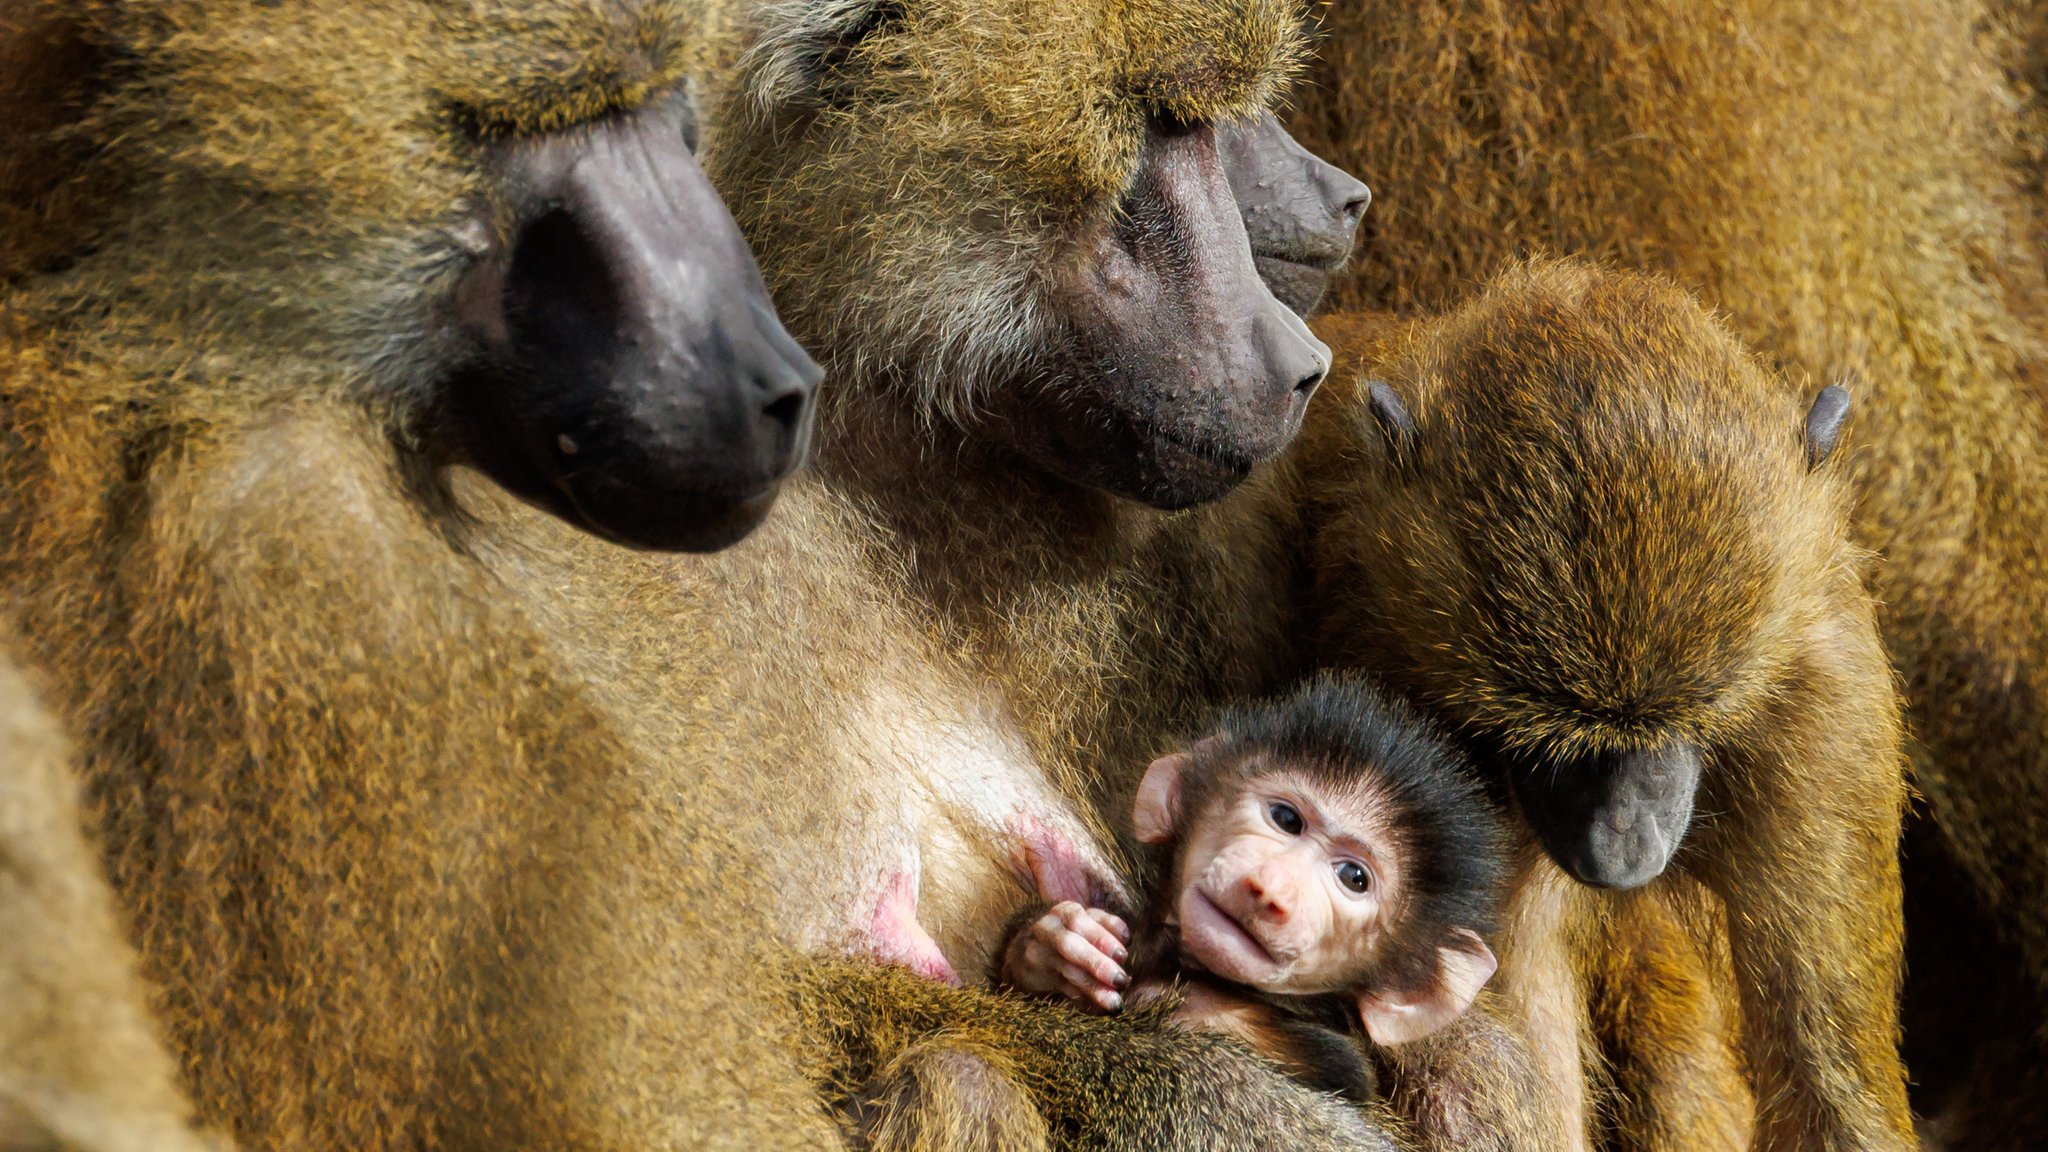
column 665, row 522
column 1214, row 457
column 1218, row 925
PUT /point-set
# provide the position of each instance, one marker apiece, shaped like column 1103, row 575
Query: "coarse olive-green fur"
column 1072, row 1065
column 81, row 1066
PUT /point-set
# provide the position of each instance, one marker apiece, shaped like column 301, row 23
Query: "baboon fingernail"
column 1113, row 1002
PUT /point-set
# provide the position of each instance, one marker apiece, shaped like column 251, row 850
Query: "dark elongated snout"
column 635, row 379
column 1612, row 820
column 1301, row 213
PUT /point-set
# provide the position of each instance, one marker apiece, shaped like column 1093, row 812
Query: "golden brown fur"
column 1849, row 181
column 426, row 807
column 1605, row 535
column 80, row 1063
column 400, row 878
column 1073, row 1067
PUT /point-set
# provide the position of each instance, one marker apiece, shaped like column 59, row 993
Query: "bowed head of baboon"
column 1018, row 217
column 484, row 221
column 1595, row 573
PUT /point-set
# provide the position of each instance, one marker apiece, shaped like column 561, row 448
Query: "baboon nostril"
column 1308, row 384
column 786, row 409
column 1354, row 208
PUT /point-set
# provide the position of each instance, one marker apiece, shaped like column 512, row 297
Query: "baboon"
column 374, row 842
column 999, row 611
column 80, row 1064
column 1324, row 869
column 1840, row 178
column 1577, row 522
column 409, row 864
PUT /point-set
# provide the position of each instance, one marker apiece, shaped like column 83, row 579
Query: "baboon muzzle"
column 637, row 381
column 1612, row 820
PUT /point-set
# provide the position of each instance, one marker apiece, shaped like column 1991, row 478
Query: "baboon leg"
column 1542, row 997
column 949, row 1093
column 1665, row 1011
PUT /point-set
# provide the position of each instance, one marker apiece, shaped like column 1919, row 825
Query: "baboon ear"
column 1156, row 813
column 804, row 61
column 1395, row 424
column 1824, row 424
column 1404, row 1015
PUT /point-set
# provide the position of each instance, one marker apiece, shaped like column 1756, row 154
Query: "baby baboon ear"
column 804, row 62
column 1392, row 416
column 1155, row 815
column 1404, row 1015
column 1824, row 424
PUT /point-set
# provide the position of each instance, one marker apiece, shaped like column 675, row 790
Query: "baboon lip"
column 698, row 522
column 1220, row 919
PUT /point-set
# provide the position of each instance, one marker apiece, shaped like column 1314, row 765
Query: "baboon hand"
column 1071, row 951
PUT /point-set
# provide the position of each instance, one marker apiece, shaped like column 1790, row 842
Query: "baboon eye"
column 1284, row 817
column 1351, row 874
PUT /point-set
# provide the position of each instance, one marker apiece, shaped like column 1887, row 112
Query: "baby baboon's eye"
column 1352, row 875
column 1284, row 817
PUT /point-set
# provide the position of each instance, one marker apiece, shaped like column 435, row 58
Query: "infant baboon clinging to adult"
column 1321, row 864
column 1578, row 524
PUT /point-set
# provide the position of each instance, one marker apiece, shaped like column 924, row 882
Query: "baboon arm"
column 1473, row 1086
column 1805, row 856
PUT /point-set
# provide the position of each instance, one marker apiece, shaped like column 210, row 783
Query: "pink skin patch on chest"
column 1057, row 868
column 895, row 936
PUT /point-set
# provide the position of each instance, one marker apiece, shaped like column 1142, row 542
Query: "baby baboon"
column 1580, row 525
column 1322, row 865
column 376, row 843
column 1840, row 178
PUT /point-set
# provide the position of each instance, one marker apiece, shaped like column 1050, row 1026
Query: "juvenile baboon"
column 1581, row 525
column 1841, row 178
column 81, row 1067
column 398, row 879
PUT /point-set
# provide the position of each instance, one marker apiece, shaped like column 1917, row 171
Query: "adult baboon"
column 410, row 864
column 1840, row 177
column 375, row 844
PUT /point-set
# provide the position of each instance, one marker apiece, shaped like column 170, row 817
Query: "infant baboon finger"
column 1091, row 929
column 1112, row 923
column 1083, row 953
column 1082, row 986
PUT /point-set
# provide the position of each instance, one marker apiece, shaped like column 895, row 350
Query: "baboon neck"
column 975, row 520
